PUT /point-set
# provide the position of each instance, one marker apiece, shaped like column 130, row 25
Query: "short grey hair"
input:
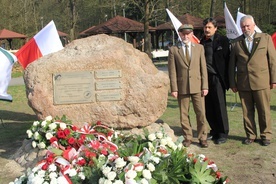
column 247, row 17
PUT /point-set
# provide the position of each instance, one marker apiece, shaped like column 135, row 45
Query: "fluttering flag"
column 239, row 16
column 176, row 24
column 44, row 42
column 232, row 30
column 7, row 59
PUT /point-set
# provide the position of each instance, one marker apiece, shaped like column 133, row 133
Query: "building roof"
column 62, row 34
column 7, row 34
column 220, row 21
column 184, row 19
column 117, row 24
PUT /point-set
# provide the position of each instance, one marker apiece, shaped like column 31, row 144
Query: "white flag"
column 232, row 30
column 176, row 24
column 239, row 16
column 7, row 60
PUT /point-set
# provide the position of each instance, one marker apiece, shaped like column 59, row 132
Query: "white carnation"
column 133, row 159
column 53, row 181
column 41, row 145
column 169, row 139
column 62, row 179
column 48, row 135
column 62, row 125
column 72, row 172
column 53, row 126
column 201, row 157
column 81, row 175
column 158, row 154
column 151, row 147
column 130, row 181
column 155, row 159
column 151, row 137
column 49, row 118
column 41, row 173
column 36, row 136
column 30, row 133
column 151, row 167
column 144, row 181
column 43, row 123
column 146, row 174
column 118, row 182
column 174, row 147
column 111, row 175
column 52, row 168
column 120, row 162
column 53, row 175
column 37, row 180
column 159, row 135
column 108, row 182
column 139, row 168
column 131, row 174
column 34, row 144
column 180, row 145
column 170, row 143
column 106, row 170
column 35, row 123
column 101, row 181
column 163, row 142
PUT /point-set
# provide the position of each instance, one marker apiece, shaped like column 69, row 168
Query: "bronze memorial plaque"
column 73, row 87
column 109, row 96
column 103, row 74
column 108, row 84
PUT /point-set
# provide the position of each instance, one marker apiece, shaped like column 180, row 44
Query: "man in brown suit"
column 188, row 79
column 252, row 72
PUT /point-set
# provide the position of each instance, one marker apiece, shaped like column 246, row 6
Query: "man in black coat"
column 217, row 52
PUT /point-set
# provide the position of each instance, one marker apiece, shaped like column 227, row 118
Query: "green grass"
column 17, row 74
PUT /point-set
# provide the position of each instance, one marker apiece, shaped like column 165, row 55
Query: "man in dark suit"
column 188, row 79
column 217, row 57
column 252, row 72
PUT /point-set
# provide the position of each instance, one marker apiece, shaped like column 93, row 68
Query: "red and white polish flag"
column 44, row 42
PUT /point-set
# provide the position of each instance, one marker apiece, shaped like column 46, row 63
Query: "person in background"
column 217, row 58
column 188, row 80
column 252, row 73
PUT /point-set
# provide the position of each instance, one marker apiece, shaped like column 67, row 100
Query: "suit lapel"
column 256, row 42
column 244, row 46
column 193, row 52
column 181, row 53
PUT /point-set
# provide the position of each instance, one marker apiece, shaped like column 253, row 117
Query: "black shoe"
column 187, row 143
column 210, row 137
column 248, row 141
column 203, row 143
column 220, row 140
column 265, row 142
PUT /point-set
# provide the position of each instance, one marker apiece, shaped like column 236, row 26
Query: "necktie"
column 187, row 53
column 249, row 40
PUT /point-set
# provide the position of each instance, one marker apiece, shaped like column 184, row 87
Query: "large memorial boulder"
column 99, row 78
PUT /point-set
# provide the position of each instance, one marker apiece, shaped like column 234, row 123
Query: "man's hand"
column 272, row 85
column 174, row 94
column 204, row 92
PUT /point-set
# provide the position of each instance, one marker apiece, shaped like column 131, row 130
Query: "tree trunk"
column 212, row 12
column 146, row 29
column 73, row 19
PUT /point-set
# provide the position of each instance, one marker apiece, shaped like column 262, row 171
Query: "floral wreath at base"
column 98, row 154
